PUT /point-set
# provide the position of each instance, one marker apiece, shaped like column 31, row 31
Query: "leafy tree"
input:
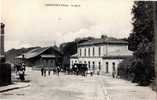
column 141, row 40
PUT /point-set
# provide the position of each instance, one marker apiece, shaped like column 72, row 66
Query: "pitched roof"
column 35, row 52
column 103, row 41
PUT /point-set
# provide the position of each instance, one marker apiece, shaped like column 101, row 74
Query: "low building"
column 101, row 55
column 48, row 57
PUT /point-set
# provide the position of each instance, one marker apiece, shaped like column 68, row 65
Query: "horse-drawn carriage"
column 79, row 69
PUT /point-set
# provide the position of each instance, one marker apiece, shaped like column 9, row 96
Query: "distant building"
column 48, row 57
column 101, row 55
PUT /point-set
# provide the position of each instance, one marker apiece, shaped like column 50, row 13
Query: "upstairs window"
column 85, row 52
column 99, row 51
column 93, row 51
column 80, row 52
column 88, row 51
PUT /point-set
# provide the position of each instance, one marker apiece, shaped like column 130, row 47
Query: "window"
column 80, row 62
column 93, row 65
column 89, row 64
column 85, row 62
column 99, row 66
column 88, row 51
column 99, row 51
column 113, row 66
column 107, row 67
column 93, row 51
column 85, row 52
column 80, row 52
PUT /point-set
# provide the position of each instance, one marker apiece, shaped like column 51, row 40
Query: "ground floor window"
column 113, row 66
column 99, row 66
column 93, row 65
column 89, row 64
column 107, row 67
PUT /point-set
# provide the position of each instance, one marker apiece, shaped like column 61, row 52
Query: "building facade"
column 101, row 55
column 48, row 57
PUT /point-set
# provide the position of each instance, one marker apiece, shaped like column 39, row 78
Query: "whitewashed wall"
column 110, row 64
column 106, row 50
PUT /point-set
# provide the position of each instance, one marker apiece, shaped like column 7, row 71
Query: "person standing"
column 21, row 74
column 58, row 70
column 49, row 72
column 42, row 71
column 114, row 74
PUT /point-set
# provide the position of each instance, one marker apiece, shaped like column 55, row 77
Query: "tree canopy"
column 141, row 40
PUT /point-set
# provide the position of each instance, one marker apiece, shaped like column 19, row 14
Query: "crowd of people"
column 55, row 71
column 76, row 70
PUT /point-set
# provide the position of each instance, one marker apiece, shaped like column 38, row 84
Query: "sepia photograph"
column 78, row 50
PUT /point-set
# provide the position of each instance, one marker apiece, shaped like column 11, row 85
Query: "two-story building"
column 102, row 55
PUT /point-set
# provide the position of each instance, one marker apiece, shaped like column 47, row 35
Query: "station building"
column 103, row 55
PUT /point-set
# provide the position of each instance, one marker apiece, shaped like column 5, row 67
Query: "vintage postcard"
column 78, row 50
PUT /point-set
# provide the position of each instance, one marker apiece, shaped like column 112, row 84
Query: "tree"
column 141, row 40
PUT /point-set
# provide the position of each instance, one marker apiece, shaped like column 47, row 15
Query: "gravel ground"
column 71, row 87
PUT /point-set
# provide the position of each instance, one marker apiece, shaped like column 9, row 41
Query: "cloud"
column 35, row 24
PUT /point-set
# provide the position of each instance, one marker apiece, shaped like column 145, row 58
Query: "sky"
column 34, row 23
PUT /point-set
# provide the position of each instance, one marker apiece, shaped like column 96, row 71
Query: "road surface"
column 71, row 87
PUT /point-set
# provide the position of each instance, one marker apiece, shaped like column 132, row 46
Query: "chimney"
column 2, row 53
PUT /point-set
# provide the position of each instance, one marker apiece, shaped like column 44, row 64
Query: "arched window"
column 107, row 67
column 93, row 65
column 113, row 66
column 89, row 64
column 99, row 66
